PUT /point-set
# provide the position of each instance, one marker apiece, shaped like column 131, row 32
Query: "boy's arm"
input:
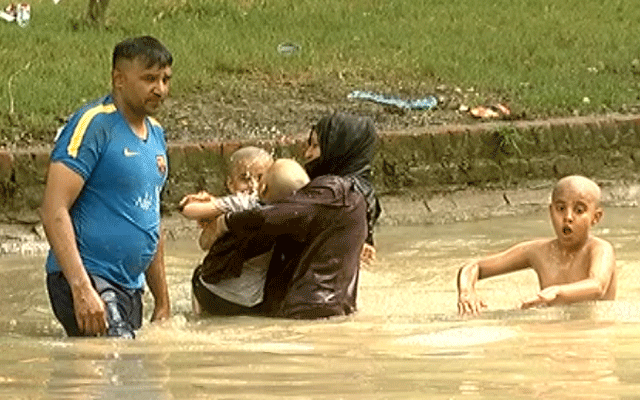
column 468, row 300
column 510, row 260
column 595, row 287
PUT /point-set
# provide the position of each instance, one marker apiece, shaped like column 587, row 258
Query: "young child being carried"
column 246, row 167
column 222, row 289
column 574, row 266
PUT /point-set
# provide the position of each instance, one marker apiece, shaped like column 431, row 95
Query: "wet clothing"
column 247, row 289
column 222, row 291
column 318, row 233
column 123, row 306
column 238, row 202
column 213, row 304
column 348, row 146
column 116, row 217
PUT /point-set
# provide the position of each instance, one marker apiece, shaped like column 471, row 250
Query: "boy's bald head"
column 283, row 178
column 585, row 186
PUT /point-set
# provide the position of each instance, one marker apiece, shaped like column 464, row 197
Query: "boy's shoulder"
column 596, row 242
column 537, row 244
column 536, row 249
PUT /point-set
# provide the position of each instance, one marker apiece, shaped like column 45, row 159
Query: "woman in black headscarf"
column 344, row 145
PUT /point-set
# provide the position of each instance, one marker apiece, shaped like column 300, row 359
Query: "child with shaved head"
column 571, row 267
column 221, row 287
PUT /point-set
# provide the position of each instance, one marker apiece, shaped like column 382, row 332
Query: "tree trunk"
column 97, row 10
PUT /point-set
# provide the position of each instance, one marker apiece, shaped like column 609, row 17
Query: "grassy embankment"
column 552, row 58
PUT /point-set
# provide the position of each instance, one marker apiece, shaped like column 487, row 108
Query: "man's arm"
column 595, row 287
column 61, row 191
column 157, row 282
column 510, row 260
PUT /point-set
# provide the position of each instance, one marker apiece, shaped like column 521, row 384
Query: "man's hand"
column 368, row 254
column 90, row 311
column 161, row 313
column 544, row 298
column 470, row 303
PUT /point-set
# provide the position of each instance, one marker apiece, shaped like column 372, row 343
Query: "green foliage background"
column 547, row 55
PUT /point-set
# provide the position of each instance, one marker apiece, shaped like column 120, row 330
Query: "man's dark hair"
column 147, row 48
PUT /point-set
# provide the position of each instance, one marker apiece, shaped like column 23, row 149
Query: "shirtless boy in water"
column 574, row 266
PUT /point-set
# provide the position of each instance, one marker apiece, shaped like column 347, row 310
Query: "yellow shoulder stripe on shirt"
column 154, row 121
column 83, row 123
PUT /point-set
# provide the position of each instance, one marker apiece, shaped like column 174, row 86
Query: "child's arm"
column 211, row 228
column 202, row 210
column 201, row 196
column 208, row 235
column 595, row 287
column 510, row 260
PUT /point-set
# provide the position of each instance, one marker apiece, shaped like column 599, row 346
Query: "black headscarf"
column 347, row 148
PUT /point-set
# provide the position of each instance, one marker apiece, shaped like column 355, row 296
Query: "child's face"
column 312, row 151
column 245, row 176
column 573, row 212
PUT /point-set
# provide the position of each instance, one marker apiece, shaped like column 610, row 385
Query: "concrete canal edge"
column 430, row 175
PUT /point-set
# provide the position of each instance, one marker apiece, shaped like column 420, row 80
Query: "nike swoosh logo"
column 129, row 153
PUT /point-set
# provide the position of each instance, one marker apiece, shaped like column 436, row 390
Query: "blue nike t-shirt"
column 116, row 217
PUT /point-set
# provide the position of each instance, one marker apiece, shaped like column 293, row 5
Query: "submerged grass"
column 550, row 57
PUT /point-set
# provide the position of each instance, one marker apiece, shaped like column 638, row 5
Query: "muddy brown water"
column 406, row 340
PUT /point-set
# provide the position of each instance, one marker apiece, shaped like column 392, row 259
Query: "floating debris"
column 491, row 112
column 426, row 103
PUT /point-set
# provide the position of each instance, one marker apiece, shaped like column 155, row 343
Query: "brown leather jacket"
column 319, row 233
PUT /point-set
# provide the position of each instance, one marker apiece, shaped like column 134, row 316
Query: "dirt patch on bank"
column 272, row 108
column 250, row 107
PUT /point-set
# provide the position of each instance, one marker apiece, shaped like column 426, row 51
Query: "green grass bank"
column 542, row 57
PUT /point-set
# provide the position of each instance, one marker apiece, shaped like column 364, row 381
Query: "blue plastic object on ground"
column 426, row 103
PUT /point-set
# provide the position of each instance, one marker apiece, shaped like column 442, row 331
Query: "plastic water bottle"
column 117, row 327
column 23, row 14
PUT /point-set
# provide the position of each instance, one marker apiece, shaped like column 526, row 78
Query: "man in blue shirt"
column 101, row 205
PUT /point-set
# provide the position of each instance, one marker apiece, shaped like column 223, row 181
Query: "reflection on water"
column 406, row 341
